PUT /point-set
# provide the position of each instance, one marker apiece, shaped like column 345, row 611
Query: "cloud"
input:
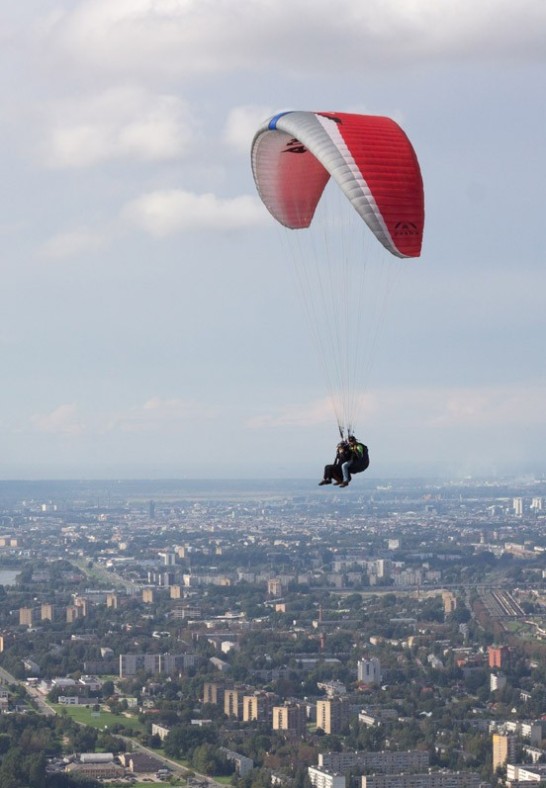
column 163, row 213
column 442, row 407
column 72, row 243
column 301, row 414
column 156, row 415
column 63, row 420
column 242, row 123
column 122, row 122
column 160, row 415
column 187, row 37
column 488, row 406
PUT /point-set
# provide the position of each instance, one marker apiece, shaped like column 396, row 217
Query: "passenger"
column 333, row 471
column 357, row 461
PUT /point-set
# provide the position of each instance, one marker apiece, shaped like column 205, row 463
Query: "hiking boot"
column 325, row 481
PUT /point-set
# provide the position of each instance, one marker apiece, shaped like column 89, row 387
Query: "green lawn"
column 101, row 720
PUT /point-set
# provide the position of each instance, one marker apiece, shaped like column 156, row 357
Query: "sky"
column 149, row 326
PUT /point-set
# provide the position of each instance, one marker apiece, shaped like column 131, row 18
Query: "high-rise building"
column 497, row 681
column 333, row 714
column 291, row 717
column 517, row 504
column 497, row 656
column 47, row 612
column 258, row 706
column 384, row 568
column 148, row 595
column 26, row 616
column 369, row 671
column 275, row 587
column 82, row 604
column 450, row 602
column 233, row 703
column 213, row 692
column 504, row 749
column 72, row 614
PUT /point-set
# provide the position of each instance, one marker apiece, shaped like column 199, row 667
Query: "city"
column 270, row 633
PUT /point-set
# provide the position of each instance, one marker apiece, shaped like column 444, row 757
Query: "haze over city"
column 149, row 326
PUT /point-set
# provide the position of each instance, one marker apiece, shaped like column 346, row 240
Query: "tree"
column 84, row 739
column 108, row 689
column 36, row 765
column 206, row 759
column 183, row 739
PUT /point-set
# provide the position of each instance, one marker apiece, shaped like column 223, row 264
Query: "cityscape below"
column 257, row 633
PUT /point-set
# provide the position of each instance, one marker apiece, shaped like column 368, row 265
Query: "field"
column 100, row 720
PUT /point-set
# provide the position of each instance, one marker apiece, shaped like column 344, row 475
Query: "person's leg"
column 327, row 478
column 346, row 470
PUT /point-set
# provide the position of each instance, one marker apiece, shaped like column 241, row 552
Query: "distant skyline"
column 148, row 325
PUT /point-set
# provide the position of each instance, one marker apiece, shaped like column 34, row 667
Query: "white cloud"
column 301, row 415
column 431, row 408
column 72, row 243
column 159, row 415
column 162, row 213
column 185, row 37
column 242, row 123
column 122, row 122
column 488, row 406
column 156, row 415
column 63, row 420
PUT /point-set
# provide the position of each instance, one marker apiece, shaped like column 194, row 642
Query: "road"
column 44, row 708
column 175, row 767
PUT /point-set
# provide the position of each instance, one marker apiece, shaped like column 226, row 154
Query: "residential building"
column 384, row 761
column 213, row 692
column 333, row 714
column 243, row 765
column 131, row 664
column 291, row 717
column 369, row 671
column 322, row 778
column 26, row 616
column 440, row 779
column 504, row 749
column 258, row 706
column 497, row 656
column 233, row 703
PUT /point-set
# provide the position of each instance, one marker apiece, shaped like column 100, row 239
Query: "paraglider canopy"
column 337, row 176
column 294, row 154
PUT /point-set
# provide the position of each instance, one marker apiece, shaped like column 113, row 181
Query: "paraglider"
column 371, row 163
column 351, row 457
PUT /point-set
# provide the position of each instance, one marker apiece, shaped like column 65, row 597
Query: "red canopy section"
column 371, row 159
